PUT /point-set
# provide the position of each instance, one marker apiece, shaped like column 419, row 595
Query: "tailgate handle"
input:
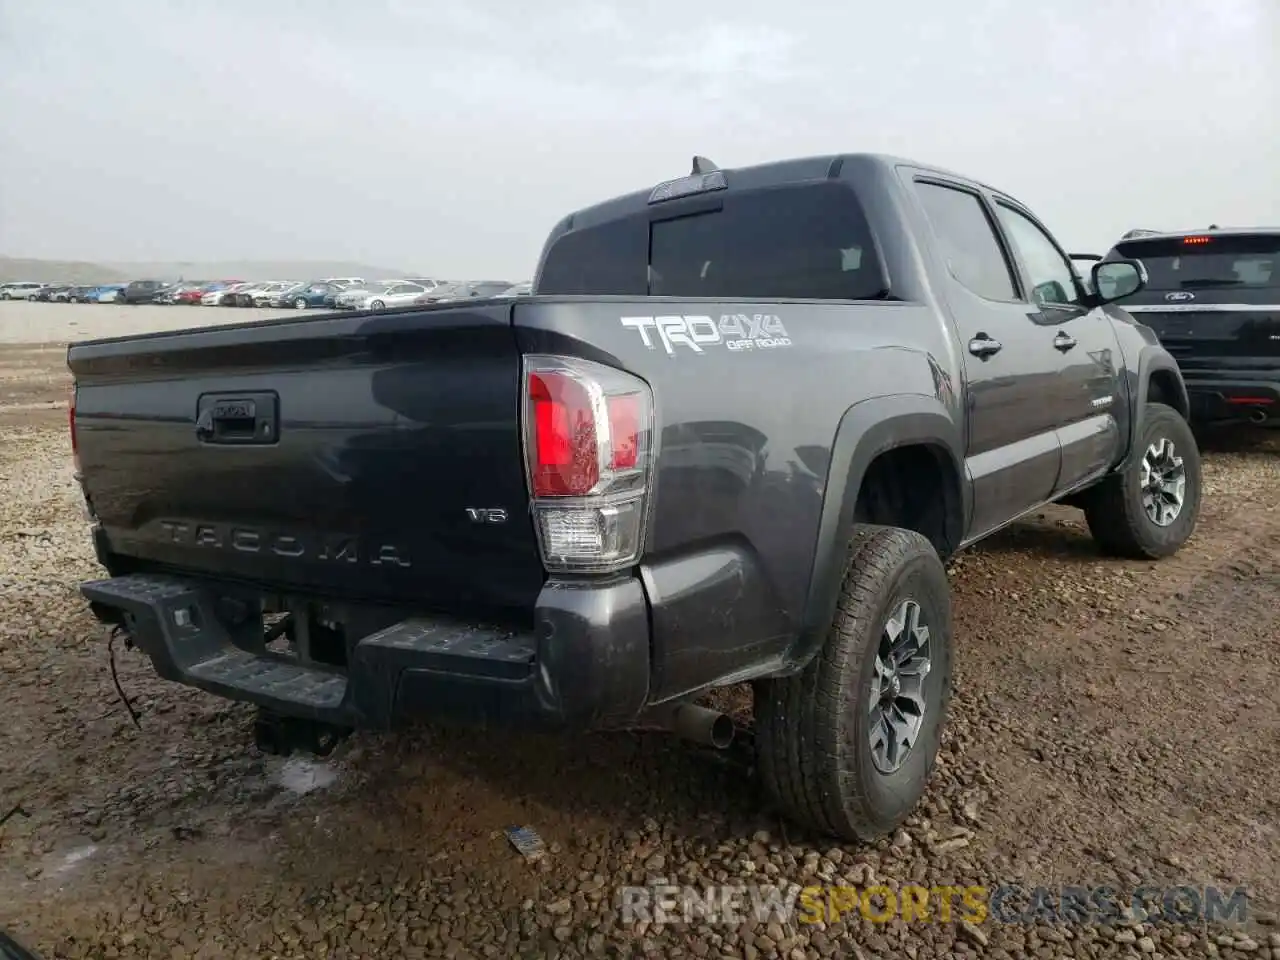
column 241, row 419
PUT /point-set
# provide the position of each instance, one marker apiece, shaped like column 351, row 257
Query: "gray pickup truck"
column 731, row 437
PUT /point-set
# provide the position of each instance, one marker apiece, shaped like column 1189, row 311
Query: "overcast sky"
column 448, row 138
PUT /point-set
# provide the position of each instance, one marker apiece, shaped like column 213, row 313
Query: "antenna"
column 703, row 165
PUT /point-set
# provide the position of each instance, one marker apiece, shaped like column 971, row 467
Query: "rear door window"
column 968, row 241
column 798, row 241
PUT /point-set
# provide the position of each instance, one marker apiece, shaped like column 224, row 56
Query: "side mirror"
column 1117, row 279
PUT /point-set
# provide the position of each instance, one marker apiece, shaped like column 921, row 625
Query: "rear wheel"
column 376, row 305
column 846, row 747
column 300, row 304
column 1149, row 510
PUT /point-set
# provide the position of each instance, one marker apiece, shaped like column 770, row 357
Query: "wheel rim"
column 897, row 709
column 300, row 304
column 1164, row 483
column 377, row 305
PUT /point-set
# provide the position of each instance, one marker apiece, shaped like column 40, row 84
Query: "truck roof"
column 761, row 175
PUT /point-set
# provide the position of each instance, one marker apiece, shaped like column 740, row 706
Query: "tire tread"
column 798, row 718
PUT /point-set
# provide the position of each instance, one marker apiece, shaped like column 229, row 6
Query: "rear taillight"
column 588, row 433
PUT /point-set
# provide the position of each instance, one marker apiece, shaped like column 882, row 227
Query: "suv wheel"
column 1149, row 510
column 846, row 747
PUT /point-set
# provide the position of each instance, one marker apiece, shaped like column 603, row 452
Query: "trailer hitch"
column 281, row 736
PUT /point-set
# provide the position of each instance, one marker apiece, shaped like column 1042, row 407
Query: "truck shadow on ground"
column 1244, row 438
column 561, row 784
column 1056, row 533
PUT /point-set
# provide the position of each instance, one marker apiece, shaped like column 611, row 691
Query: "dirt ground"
column 1115, row 723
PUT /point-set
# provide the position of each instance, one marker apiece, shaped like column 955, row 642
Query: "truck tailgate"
column 361, row 457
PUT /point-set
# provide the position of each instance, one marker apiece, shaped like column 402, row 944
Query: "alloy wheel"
column 1164, row 483
column 897, row 705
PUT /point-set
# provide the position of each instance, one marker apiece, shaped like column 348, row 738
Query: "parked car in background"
column 47, row 292
column 304, row 296
column 186, row 294
column 226, row 296
column 444, row 290
column 1211, row 297
column 348, row 298
column 344, row 283
column 21, row 290
column 333, row 300
column 244, row 296
column 142, row 291
column 465, row 290
column 110, row 293
column 519, row 290
column 217, row 287
column 391, row 295
column 261, row 295
column 75, row 293
column 169, row 294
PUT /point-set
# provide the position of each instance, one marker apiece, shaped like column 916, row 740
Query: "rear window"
column 1197, row 263
column 803, row 241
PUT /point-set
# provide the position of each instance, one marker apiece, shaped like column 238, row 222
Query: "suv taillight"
column 588, row 433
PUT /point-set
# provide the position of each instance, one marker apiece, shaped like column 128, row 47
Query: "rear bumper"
column 585, row 665
column 1230, row 395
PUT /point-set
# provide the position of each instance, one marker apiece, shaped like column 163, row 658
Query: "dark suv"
column 1213, row 299
column 142, row 291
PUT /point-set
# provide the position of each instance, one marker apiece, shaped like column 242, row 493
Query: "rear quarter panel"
column 744, row 448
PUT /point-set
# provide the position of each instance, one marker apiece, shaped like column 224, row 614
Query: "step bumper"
column 585, row 665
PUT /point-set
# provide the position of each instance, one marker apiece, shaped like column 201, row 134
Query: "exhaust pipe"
column 710, row 728
column 1258, row 415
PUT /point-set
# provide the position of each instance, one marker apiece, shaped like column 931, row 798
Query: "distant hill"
column 72, row 271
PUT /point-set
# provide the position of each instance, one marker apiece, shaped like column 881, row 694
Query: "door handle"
column 983, row 346
column 1064, row 341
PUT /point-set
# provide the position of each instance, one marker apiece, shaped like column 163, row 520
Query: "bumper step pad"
column 174, row 621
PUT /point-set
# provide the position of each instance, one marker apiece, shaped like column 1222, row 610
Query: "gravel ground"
column 23, row 321
column 1115, row 723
